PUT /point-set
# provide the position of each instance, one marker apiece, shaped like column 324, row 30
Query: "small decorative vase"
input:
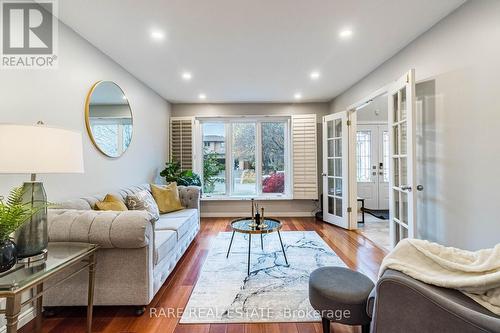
column 257, row 219
column 8, row 255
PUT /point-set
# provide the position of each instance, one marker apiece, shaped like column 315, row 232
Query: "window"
column 243, row 152
column 214, row 158
column 273, row 157
column 245, row 158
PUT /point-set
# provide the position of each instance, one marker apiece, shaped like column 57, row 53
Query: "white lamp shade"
column 39, row 149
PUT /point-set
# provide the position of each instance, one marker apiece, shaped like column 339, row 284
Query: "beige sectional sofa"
column 137, row 254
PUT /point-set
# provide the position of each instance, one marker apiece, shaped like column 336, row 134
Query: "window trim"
column 258, row 120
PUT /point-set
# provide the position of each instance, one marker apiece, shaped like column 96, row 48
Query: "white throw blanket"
column 476, row 274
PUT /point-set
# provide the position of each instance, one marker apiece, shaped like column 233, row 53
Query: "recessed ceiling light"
column 202, row 96
column 297, row 96
column 187, row 76
column 345, row 33
column 157, row 35
column 314, row 75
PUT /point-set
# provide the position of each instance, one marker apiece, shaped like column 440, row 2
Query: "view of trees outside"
column 243, row 146
column 113, row 138
column 127, row 135
column 243, row 142
column 273, row 157
column 214, row 158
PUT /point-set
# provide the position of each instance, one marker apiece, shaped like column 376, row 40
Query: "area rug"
column 272, row 292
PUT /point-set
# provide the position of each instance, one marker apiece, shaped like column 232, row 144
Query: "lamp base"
column 35, row 260
column 32, row 237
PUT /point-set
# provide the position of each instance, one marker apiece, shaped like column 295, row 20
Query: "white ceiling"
column 251, row 50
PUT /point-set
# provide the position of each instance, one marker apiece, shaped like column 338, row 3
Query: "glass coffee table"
column 246, row 226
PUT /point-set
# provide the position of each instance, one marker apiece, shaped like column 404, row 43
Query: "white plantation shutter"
column 304, row 150
column 181, row 141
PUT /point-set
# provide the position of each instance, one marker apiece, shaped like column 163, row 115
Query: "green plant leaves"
column 14, row 213
column 173, row 173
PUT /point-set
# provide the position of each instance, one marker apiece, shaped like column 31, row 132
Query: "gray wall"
column 276, row 207
column 376, row 111
column 458, row 127
column 58, row 96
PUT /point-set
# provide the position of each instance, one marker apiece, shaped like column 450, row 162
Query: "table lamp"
column 33, row 150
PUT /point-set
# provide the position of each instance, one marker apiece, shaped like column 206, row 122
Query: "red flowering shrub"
column 275, row 183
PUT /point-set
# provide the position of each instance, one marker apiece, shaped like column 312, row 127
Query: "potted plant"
column 13, row 214
column 173, row 173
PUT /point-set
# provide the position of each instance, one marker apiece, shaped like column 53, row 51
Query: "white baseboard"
column 273, row 214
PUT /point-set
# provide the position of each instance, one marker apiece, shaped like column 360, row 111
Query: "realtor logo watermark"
column 29, row 34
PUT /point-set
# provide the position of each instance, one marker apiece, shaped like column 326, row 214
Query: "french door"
column 335, row 169
column 402, row 180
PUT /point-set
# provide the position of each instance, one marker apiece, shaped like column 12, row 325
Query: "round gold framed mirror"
column 108, row 117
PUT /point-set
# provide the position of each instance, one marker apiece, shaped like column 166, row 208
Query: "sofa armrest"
column 404, row 304
column 370, row 302
column 109, row 229
column 190, row 196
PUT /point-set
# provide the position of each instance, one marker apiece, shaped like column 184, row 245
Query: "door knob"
column 420, row 187
column 323, row 174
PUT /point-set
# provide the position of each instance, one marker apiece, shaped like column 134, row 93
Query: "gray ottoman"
column 340, row 295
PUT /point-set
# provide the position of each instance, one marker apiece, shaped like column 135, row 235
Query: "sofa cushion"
column 165, row 242
column 143, row 200
column 122, row 194
column 166, row 197
column 180, row 221
column 78, row 204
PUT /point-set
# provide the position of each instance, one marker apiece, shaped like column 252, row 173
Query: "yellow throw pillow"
column 110, row 202
column 166, row 197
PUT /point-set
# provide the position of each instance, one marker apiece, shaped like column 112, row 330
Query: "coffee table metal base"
column 261, row 245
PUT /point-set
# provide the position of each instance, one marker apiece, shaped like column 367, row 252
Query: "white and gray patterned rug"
column 272, row 293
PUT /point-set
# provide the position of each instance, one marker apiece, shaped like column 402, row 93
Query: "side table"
column 22, row 277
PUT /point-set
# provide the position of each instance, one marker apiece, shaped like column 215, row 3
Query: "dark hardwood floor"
column 355, row 250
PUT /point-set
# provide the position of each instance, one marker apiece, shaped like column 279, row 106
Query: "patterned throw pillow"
column 143, row 200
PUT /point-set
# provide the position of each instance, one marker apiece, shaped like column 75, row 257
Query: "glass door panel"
column 364, row 155
column 385, row 155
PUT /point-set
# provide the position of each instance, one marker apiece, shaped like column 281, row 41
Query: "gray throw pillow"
column 143, row 200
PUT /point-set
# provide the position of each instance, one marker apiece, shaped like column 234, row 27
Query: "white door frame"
column 353, row 185
column 353, row 108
